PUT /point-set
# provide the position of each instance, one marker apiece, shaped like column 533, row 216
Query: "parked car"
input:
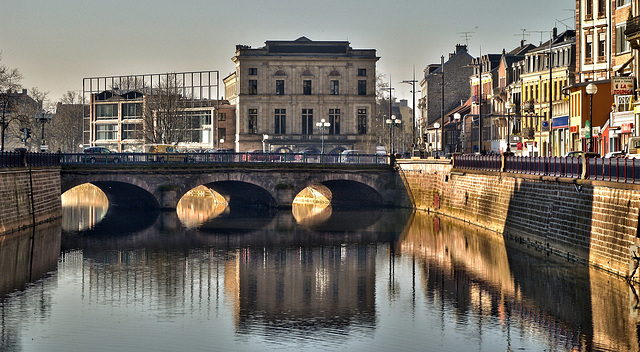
column 616, row 154
column 164, row 153
column 259, row 155
column 580, row 153
column 100, row 155
column 307, row 154
column 350, row 155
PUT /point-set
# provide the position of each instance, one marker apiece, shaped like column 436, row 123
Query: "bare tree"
column 9, row 85
column 164, row 116
column 65, row 130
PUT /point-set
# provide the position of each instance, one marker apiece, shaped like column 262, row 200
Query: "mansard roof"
column 304, row 46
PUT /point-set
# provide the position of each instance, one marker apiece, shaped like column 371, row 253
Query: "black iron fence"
column 204, row 158
column 599, row 169
column 25, row 158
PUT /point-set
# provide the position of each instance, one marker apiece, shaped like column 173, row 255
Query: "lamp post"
column 509, row 106
column 457, row 118
column 43, row 117
column 265, row 138
column 323, row 125
column 437, row 126
column 413, row 112
column 591, row 89
column 393, row 122
column 221, row 142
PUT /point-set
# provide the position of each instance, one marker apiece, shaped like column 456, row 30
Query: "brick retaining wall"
column 28, row 196
column 590, row 221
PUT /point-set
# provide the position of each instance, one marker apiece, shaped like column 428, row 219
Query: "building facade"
column 452, row 74
column 127, row 112
column 283, row 90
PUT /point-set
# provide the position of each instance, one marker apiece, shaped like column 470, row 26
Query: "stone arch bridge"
column 261, row 186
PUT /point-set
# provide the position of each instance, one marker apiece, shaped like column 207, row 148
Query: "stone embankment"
column 28, row 196
column 590, row 221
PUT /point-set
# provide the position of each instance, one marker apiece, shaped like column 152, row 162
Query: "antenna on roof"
column 566, row 27
column 524, row 34
column 466, row 36
column 541, row 33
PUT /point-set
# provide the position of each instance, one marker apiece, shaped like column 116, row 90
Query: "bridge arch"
column 343, row 192
column 125, row 194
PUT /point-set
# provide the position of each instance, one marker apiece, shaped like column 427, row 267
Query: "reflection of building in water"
column 83, row 207
column 478, row 271
column 172, row 280
column 307, row 288
column 199, row 205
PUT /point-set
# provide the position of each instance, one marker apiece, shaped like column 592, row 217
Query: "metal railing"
column 213, row 158
column 599, row 169
column 24, row 159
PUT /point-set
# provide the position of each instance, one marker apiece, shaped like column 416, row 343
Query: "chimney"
column 555, row 32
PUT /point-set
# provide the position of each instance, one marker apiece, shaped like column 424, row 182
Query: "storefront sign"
column 626, row 127
column 573, row 129
column 621, row 85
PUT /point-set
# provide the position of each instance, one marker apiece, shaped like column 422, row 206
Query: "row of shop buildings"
column 542, row 100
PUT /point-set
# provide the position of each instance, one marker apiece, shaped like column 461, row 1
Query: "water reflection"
column 200, row 205
column 83, row 207
column 348, row 280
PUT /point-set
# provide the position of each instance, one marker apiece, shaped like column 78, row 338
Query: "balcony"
column 633, row 32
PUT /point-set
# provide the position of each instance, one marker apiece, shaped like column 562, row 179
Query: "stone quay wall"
column 28, row 197
column 589, row 221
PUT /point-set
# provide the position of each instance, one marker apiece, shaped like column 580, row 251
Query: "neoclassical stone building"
column 283, row 89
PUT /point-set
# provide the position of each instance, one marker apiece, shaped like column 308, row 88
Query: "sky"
column 57, row 43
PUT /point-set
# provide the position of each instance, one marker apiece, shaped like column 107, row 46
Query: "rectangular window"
column 589, row 9
column 132, row 111
column 106, row 132
column 602, row 39
column 131, row 131
column 280, row 121
column 222, row 133
column 334, row 87
column 306, row 87
column 334, row 120
column 253, row 71
column 307, row 121
column 588, row 47
column 222, row 116
column 106, row 111
column 622, row 45
column 362, row 72
column 362, row 121
column 253, row 87
column 280, row 87
column 362, row 87
column 602, row 8
column 193, row 122
column 621, row 3
column 252, row 117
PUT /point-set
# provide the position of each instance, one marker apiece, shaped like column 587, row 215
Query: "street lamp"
column 509, row 106
column 393, row 122
column 457, row 118
column 591, row 89
column 437, row 126
column 323, row 125
column 265, row 137
column 43, row 117
column 221, row 142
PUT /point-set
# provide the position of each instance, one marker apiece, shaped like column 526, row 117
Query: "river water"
column 208, row 278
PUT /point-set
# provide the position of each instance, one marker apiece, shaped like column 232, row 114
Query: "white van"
column 633, row 148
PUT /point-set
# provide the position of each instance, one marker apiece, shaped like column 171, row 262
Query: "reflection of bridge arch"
column 345, row 193
column 136, row 194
